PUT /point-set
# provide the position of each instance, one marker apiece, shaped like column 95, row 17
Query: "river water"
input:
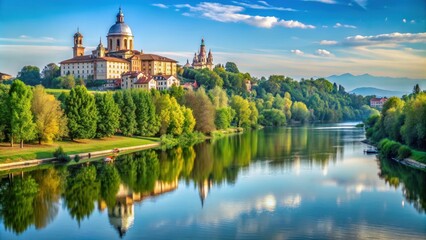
column 310, row 182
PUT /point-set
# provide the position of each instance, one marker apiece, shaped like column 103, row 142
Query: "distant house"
column 140, row 80
column 146, row 83
column 4, row 76
column 248, row 85
column 377, row 102
column 166, row 81
column 190, row 85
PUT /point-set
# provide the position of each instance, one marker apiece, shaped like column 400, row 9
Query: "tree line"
column 401, row 121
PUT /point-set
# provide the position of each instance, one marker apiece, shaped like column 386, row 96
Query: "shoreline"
column 85, row 155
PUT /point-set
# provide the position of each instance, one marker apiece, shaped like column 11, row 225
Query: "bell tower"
column 78, row 49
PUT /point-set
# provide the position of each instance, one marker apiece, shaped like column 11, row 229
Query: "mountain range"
column 401, row 85
column 368, row 91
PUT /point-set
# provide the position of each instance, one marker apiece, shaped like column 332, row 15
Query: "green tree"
column 414, row 128
column 30, row 75
column 219, row 97
column 170, row 115
column 189, row 120
column 125, row 102
column 208, row 79
column 108, row 115
column 224, row 117
column 82, row 113
column 242, row 111
column 4, row 111
column 147, row 121
column 50, row 71
column 50, row 120
column 231, row 67
column 272, row 117
column 299, row 112
column 202, row 109
column 21, row 118
column 416, row 89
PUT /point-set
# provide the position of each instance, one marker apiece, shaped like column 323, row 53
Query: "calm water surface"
column 279, row 183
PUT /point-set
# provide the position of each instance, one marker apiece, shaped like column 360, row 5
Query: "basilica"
column 118, row 57
column 202, row 59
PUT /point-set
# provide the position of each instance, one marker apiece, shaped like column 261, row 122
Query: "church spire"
column 120, row 16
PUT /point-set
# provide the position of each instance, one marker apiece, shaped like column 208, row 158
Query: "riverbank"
column 35, row 151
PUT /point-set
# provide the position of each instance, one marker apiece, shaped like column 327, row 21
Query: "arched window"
column 125, row 43
column 80, row 41
column 110, row 44
column 131, row 44
column 118, row 43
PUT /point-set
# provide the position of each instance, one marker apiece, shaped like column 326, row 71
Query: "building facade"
column 140, row 80
column 118, row 57
column 202, row 59
column 377, row 102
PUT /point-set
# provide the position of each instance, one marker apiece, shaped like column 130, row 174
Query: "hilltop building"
column 202, row 59
column 378, row 102
column 119, row 56
column 5, row 76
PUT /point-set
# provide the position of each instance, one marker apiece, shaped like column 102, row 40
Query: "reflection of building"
column 204, row 189
column 121, row 216
column 116, row 58
column 377, row 102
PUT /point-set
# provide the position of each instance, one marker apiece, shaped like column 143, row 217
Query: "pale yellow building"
column 119, row 57
column 139, row 80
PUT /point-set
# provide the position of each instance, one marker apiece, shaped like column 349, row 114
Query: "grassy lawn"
column 35, row 151
column 57, row 92
column 418, row 156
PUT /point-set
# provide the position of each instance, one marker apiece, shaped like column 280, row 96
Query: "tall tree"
column 189, row 120
column 128, row 122
column 242, row 111
column 231, row 67
column 416, row 89
column 4, row 112
column 50, row 71
column 299, row 112
column 30, row 75
column 108, row 115
column 202, row 108
column 82, row 113
column 21, row 117
column 50, row 120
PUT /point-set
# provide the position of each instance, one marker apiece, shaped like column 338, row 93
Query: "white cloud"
column 404, row 20
column 264, row 6
column 160, row 5
column 339, row 25
column 232, row 13
column 27, row 39
column 391, row 38
column 328, row 42
column 322, row 1
column 413, row 21
column 323, row 53
column 297, row 52
column 362, row 3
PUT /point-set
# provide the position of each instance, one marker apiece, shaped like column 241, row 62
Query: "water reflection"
column 304, row 155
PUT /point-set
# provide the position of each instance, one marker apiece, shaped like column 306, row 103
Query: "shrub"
column 404, row 152
column 77, row 158
column 61, row 155
column 389, row 149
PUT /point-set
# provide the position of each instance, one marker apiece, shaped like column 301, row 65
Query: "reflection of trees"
column 413, row 181
column 46, row 203
column 16, row 198
column 171, row 163
column 82, row 189
column 139, row 171
column 285, row 145
column 110, row 182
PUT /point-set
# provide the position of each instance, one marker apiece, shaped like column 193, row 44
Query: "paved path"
column 35, row 162
column 410, row 162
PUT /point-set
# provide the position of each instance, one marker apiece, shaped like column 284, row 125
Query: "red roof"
column 143, row 80
column 154, row 57
column 384, row 99
column 132, row 73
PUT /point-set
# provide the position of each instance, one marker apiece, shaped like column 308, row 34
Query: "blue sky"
column 297, row 38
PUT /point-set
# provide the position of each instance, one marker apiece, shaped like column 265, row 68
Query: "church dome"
column 120, row 28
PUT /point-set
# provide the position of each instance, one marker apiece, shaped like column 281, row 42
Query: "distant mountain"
column 351, row 82
column 366, row 91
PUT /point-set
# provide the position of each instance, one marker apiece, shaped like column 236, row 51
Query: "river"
column 310, row 182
